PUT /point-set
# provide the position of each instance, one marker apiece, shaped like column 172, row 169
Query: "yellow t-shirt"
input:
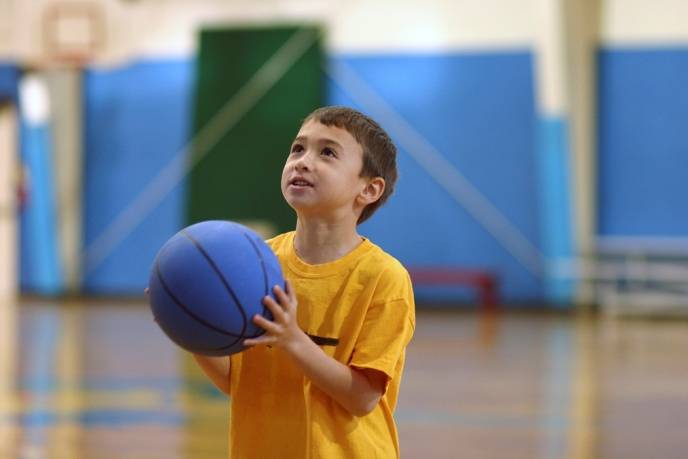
column 360, row 309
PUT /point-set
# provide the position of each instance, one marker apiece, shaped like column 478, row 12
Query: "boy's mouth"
column 300, row 182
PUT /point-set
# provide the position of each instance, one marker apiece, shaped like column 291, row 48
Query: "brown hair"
column 379, row 153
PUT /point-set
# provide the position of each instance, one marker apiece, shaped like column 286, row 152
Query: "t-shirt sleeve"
column 387, row 329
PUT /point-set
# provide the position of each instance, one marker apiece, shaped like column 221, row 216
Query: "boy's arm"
column 358, row 391
column 217, row 369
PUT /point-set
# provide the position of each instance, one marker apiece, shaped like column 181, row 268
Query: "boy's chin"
column 300, row 204
column 300, row 209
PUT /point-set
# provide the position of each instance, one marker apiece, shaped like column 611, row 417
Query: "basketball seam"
column 184, row 308
column 262, row 265
column 228, row 287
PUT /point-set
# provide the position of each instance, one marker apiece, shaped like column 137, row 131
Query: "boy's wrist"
column 296, row 346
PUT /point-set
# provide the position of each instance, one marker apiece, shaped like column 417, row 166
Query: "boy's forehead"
column 315, row 131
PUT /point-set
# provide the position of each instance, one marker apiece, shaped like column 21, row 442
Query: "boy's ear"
column 372, row 191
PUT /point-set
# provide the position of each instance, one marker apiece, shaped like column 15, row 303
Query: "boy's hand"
column 283, row 331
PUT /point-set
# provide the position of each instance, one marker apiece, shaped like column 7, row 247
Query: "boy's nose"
column 303, row 163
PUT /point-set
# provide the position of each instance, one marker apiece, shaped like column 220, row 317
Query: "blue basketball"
column 207, row 283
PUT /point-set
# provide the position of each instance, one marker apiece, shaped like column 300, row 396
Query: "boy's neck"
column 318, row 241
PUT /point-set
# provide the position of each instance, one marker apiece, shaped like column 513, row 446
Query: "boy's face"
column 322, row 173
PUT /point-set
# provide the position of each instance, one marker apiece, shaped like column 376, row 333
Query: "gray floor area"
column 98, row 379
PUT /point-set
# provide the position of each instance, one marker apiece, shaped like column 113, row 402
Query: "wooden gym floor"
column 99, row 380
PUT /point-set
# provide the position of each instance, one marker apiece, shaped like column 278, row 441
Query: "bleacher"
column 641, row 276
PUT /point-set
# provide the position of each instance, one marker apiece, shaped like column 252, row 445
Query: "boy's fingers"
column 290, row 291
column 287, row 299
column 258, row 341
column 265, row 324
column 281, row 296
column 276, row 310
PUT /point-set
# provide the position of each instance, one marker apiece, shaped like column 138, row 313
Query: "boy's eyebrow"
column 303, row 138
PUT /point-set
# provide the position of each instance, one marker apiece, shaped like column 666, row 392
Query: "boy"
column 322, row 382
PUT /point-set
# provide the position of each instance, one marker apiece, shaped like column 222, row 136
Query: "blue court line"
column 94, row 418
column 43, row 384
column 557, row 393
column 40, row 368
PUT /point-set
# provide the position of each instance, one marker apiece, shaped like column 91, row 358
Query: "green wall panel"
column 238, row 178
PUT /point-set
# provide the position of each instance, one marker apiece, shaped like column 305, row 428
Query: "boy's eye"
column 329, row 152
column 296, row 148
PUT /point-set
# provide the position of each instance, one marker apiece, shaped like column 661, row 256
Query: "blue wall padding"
column 9, row 81
column 478, row 111
column 556, row 205
column 136, row 120
column 41, row 266
column 643, row 142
